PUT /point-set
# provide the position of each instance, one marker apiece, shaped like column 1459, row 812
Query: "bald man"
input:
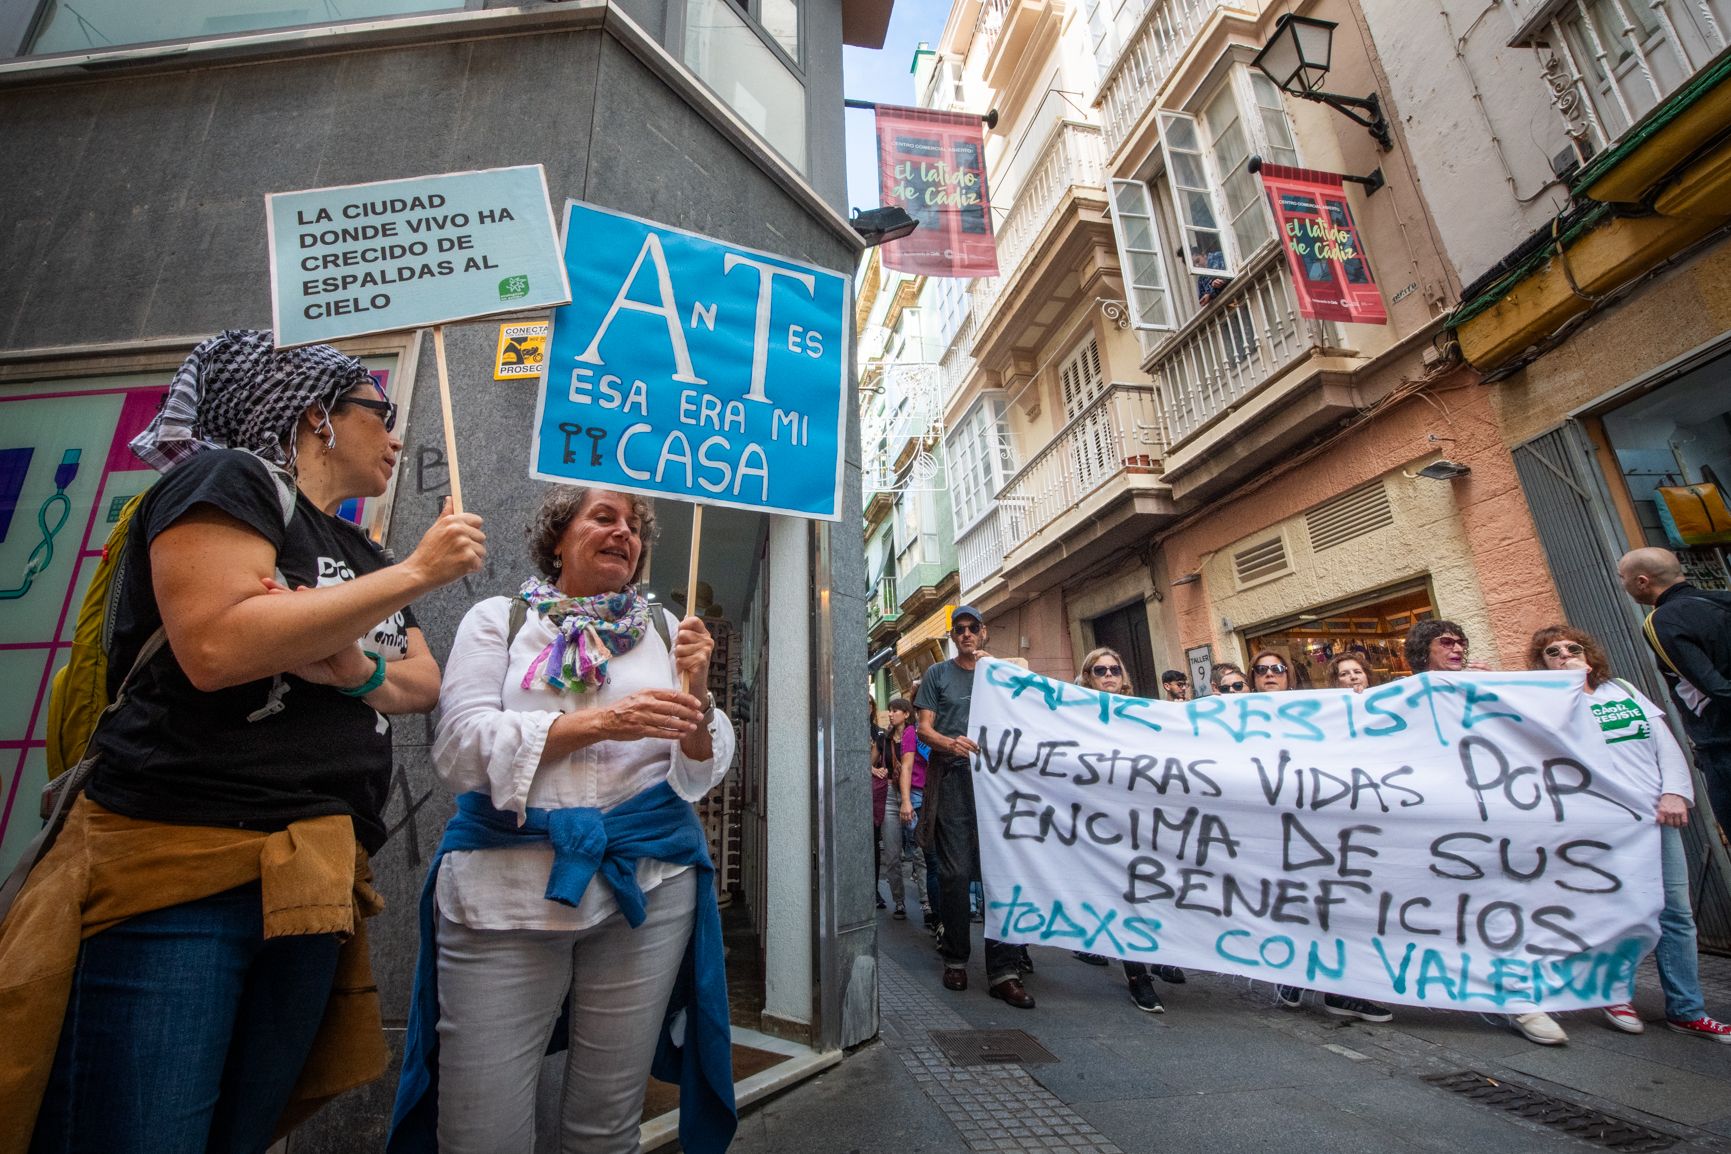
column 1689, row 630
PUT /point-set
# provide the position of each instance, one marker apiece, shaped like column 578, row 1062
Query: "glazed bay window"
column 980, row 459
column 1203, row 197
column 749, row 55
column 99, row 25
column 916, row 530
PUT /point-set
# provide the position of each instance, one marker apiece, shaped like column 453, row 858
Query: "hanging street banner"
column 1458, row 841
column 691, row 368
column 933, row 164
column 402, row 254
column 1323, row 246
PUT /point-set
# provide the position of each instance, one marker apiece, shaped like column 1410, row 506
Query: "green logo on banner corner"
column 513, row 287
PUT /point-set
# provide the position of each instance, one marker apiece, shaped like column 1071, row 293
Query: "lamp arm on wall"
column 1375, row 122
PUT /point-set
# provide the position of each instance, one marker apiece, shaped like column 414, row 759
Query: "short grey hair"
column 560, row 506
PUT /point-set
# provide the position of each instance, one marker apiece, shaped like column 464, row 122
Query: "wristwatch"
column 708, row 707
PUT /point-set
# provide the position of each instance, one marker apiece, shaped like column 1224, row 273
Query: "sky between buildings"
column 884, row 75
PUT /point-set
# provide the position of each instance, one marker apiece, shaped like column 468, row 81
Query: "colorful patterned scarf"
column 586, row 632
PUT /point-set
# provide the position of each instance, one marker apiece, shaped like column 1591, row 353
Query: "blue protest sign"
column 691, row 368
column 400, row 254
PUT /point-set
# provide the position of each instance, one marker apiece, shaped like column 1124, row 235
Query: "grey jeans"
column 900, row 861
column 499, row 995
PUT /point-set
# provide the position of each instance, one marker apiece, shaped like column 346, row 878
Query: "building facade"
column 139, row 229
column 1153, row 448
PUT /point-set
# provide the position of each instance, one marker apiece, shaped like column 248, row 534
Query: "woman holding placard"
column 1639, row 744
column 574, row 885
column 191, row 953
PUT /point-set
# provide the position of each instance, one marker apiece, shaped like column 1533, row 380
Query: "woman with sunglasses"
column 201, row 914
column 1104, row 670
column 1273, row 675
column 1272, row 671
column 1228, row 678
column 1639, row 744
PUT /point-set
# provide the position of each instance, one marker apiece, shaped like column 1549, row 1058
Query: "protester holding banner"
column 1104, row 670
column 1638, row 744
column 942, row 707
column 575, row 756
column 1443, row 646
column 187, row 967
column 1228, row 678
column 1275, row 672
column 1350, row 671
column 1274, row 675
column 1438, row 645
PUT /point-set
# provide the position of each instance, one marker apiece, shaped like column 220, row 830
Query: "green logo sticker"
column 1622, row 721
column 513, row 287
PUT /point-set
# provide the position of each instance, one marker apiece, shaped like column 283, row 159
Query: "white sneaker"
column 1623, row 1017
column 1540, row 1028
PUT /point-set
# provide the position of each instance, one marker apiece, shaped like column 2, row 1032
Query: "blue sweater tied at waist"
column 656, row 824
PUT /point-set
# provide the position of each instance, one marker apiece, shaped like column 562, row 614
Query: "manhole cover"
column 991, row 1047
column 1595, row 1126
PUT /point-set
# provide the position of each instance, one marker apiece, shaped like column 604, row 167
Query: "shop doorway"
column 1373, row 626
column 1126, row 630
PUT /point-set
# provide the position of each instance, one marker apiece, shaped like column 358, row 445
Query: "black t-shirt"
column 262, row 754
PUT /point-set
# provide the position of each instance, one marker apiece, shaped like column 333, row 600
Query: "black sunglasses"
column 1233, row 687
column 1271, row 667
column 387, row 410
column 965, row 627
column 1107, row 670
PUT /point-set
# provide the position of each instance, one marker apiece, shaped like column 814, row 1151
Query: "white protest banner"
column 1458, row 841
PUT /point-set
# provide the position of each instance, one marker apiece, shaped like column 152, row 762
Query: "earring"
column 558, row 562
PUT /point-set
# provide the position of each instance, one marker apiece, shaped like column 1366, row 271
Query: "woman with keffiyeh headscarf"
column 575, row 874
column 165, row 973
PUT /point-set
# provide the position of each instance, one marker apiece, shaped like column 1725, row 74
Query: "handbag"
column 1694, row 515
column 60, row 792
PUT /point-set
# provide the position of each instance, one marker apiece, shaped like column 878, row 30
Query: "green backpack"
column 79, row 692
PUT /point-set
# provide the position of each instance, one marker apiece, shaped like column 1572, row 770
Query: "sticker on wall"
column 522, row 351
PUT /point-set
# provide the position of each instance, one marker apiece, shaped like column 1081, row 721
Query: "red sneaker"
column 1703, row 1027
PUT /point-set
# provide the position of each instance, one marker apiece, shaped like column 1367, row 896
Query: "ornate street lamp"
column 1297, row 58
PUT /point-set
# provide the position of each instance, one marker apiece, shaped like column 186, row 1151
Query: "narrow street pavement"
column 1226, row 1069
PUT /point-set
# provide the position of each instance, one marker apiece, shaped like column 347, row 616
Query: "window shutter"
column 1081, row 378
column 1195, row 195
column 1140, row 255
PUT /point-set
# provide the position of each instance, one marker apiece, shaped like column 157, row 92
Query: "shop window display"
column 1373, row 628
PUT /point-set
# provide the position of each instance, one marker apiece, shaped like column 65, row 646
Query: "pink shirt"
column 910, row 744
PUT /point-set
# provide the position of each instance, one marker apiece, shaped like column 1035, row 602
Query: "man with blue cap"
column 942, row 703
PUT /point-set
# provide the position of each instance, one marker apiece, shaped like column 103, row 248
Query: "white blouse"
column 490, row 736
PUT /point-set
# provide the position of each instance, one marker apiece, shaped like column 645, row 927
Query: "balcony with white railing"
column 1071, row 159
column 979, row 552
column 1116, row 441
column 1167, row 29
column 1610, row 62
column 1244, row 339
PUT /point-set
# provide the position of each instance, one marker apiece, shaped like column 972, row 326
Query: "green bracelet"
column 371, row 683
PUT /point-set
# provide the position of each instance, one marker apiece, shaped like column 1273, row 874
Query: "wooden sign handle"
column 691, row 581
column 450, row 422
